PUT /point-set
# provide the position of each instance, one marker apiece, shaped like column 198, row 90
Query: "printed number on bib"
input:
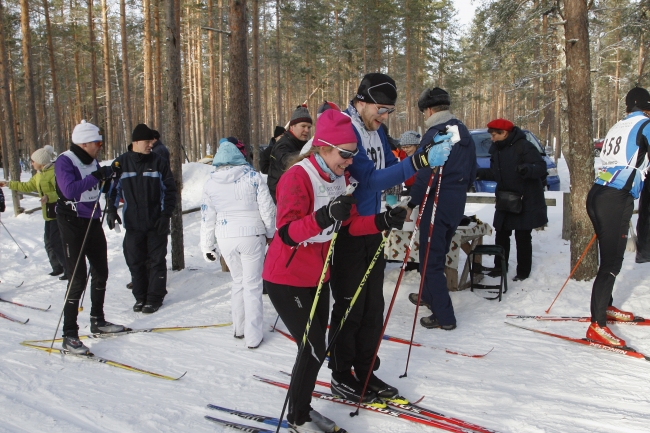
column 612, row 146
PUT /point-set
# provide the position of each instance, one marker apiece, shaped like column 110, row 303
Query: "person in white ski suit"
column 237, row 212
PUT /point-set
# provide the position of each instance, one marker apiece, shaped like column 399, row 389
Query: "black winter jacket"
column 508, row 157
column 265, row 157
column 287, row 147
column 147, row 187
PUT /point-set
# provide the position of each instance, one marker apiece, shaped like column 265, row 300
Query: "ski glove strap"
column 337, row 210
column 393, row 218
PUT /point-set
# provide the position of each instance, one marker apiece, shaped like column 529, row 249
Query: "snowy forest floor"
column 528, row 383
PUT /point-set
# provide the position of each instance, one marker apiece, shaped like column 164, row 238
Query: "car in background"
column 483, row 142
column 598, row 146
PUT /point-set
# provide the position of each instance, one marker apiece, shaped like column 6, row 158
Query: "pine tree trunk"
column 30, row 123
column 580, row 135
column 239, row 111
column 128, row 127
column 173, row 124
column 108, row 133
column 222, row 99
column 214, row 139
column 257, row 105
column 146, row 53
column 78, row 110
column 278, row 61
column 199, row 78
column 5, row 93
column 58, row 138
column 157, row 73
column 93, row 61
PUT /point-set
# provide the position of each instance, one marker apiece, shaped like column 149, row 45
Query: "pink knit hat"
column 335, row 128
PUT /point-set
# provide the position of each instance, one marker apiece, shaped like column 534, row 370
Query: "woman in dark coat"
column 517, row 167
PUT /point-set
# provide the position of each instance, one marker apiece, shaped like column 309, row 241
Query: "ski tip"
column 25, row 322
column 21, row 282
column 181, row 376
column 48, row 307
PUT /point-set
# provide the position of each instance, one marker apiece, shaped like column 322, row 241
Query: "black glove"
column 337, row 210
column 419, row 160
column 522, row 169
column 393, row 218
column 117, row 168
column 103, row 173
column 211, row 256
column 111, row 218
column 162, row 225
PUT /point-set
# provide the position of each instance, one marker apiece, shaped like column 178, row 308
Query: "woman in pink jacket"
column 310, row 201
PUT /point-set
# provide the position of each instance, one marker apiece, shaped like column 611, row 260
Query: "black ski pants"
column 145, row 253
column 610, row 211
column 524, row 241
column 73, row 229
column 294, row 304
column 358, row 339
column 54, row 246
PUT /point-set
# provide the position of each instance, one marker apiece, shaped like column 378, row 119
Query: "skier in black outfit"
column 78, row 181
column 149, row 192
column 289, row 146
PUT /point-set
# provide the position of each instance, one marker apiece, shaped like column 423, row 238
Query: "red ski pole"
column 424, row 267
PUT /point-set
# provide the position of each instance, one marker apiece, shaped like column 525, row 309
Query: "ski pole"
column 337, row 225
column 12, row 238
column 79, row 258
column 453, row 129
column 276, row 323
column 424, row 267
column 593, row 238
column 83, row 294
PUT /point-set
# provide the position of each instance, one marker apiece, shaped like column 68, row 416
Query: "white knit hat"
column 85, row 133
column 42, row 156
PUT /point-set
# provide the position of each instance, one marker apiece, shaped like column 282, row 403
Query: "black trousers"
column 294, row 304
column 359, row 337
column 145, row 253
column 524, row 241
column 610, row 211
column 54, row 246
column 73, row 229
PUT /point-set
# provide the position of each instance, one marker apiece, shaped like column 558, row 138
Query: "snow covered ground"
column 528, row 383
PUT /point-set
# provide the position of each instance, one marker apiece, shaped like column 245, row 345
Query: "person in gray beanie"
column 44, row 184
column 289, row 145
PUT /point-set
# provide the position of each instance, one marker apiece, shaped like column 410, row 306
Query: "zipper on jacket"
column 295, row 249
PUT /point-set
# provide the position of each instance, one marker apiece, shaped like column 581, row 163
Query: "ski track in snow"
column 528, row 383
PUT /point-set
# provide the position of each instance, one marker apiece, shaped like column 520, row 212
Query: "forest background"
column 198, row 70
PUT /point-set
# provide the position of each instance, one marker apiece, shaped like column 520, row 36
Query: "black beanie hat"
column 432, row 98
column 279, row 130
column 141, row 132
column 637, row 98
column 156, row 134
column 377, row 88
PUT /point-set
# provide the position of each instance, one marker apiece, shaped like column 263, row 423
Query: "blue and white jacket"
column 375, row 167
column 625, row 154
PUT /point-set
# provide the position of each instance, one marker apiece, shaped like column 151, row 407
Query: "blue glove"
column 439, row 154
column 442, row 137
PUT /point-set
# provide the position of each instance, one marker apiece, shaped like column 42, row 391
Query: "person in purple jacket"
column 79, row 180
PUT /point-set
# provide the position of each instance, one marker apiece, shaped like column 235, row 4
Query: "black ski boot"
column 345, row 385
column 100, row 326
column 378, row 386
column 75, row 346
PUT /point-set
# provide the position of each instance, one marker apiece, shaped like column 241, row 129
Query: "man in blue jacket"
column 375, row 168
column 458, row 174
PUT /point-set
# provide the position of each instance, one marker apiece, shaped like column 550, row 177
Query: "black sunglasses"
column 345, row 154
